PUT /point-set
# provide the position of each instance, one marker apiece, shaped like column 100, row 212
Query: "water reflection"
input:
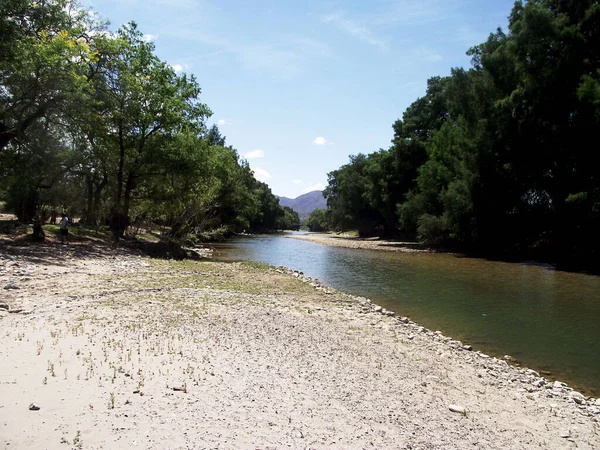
column 547, row 319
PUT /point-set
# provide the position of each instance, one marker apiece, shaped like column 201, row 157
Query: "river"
column 548, row 320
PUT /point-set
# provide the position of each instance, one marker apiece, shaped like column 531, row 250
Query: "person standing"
column 64, row 228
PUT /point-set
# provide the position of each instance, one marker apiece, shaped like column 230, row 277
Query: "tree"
column 290, row 220
column 318, row 220
column 142, row 105
column 44, row 52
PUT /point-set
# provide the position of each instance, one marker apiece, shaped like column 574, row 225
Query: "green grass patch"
column 80, row 232
column 248, row 277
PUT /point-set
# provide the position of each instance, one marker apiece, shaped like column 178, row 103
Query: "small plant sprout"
column 77, row 442
column 51, row 368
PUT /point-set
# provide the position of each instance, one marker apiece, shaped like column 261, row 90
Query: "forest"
column 500, row 158
column 93, row 123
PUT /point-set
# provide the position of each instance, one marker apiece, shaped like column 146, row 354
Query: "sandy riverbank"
column 342, row 240
column 120, row 351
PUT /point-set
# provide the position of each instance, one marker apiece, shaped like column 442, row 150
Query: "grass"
column 80, row 232
column 246, row 277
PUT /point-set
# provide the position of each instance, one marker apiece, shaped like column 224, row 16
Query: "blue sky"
column 298, row 86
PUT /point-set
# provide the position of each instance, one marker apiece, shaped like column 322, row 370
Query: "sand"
column 344, row 240
column 121, row 351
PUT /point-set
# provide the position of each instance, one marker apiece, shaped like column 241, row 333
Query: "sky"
column 299, row 86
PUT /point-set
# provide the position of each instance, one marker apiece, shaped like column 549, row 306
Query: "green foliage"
column 318, row 220
column 499, row 157
column 290, row 220
column 96, row 124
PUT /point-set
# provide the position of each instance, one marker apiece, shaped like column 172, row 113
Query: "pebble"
column 377, row 308
column 457, row 409
column 539, row 382
column 467, row 347
column 577, row 397
column 565, row 434
column 4, row 306
column 34, row 407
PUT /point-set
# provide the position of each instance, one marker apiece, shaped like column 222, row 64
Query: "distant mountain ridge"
column 306, row 203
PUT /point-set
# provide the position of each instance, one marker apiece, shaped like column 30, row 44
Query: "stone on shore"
column 457, row 409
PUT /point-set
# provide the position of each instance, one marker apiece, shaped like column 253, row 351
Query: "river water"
column 548, row 320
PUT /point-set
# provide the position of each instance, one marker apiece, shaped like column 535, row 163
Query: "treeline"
column 501, row 158
column 94, row 123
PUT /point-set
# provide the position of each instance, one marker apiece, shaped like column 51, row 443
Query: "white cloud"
column 320, row 140
column 180, row 67
column 354, row 29
column 297, row 181
column 261, row 174
column 408, row 12
column 283, row 60
column 314, row 187
column 432, row 57
column 150, row 37
column 221, row 122
column 258, row 153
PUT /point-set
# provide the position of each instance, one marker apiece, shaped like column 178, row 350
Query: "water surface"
column 549, row 320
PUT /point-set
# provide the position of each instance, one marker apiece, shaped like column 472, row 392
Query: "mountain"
column 305, row 204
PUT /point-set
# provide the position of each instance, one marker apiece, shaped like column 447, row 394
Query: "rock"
column 457, row 409
column 34, row 407
column 557, row 385
column 565, row 434
column 532, row 372
column 377, row 308
column 11, row 286
column 577, row 397
column 539, row 382
column 467, row 347
column 597, row 403
column 404, row 319
column 4, row 306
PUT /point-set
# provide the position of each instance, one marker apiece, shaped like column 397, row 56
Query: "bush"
column 432, row 229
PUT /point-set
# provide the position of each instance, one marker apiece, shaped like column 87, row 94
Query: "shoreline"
column 120, row 350
column 346, row 241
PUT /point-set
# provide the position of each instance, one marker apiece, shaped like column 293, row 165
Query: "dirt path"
column 120, row 351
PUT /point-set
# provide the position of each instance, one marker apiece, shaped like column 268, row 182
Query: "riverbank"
column 343, row 240
column 118, row 350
